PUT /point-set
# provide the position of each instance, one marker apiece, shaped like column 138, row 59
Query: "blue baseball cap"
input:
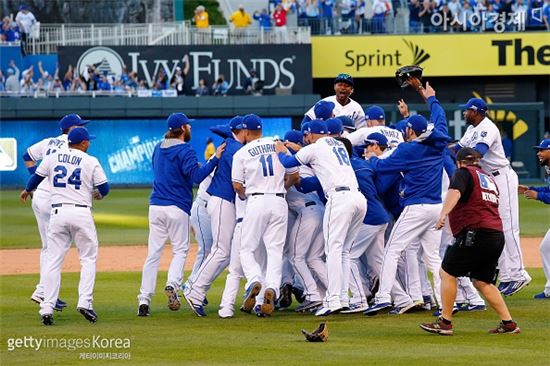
column 79, row 134
column 317, row 126
column 334, row 126
column 71, row 120
column 544, row 145
column 476, row 104
column 344, row 78
column 23, row 7
column 323, row 109
column 376, row 138
column 176, row 120
column 236, row 122
column 400, row 126
column 305, row 127
column 251, row 122
column 417, row 123
column 224, row 131
column 294, row 136
column 347, row 123
column 375, row 113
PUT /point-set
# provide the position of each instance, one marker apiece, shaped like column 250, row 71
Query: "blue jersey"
column 421, row 161
column 176, row 168
column 543, row 193
column 449, row 163
column 376, row 213
column 221, row 185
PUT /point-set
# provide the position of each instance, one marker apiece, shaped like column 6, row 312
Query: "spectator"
column 327, row 16
column 210, row 149
column 221, row 86
column 492, row 16
column 178, row 80
column 202, row 89
column 57, row 85
column 133, row 82
column 379, row 8
column 104, row 84
column 414, row 18
column 546, row 14
column 142, row 85
column 446, row 18
column 159, row 82
column 263, row 19
column 425, row 15
column 467, row 16
column 68, row 78
column 12, row 82
column 279, row 15
column 8, row 33
column 201, row 17
column 360, row 13
column 78, row 85
column 27, row 84
column 253, row 85
column 347, row 11
column 45, row 76
column 25, row 20
column 2, row 82
column 520, row 14
column 240, row 18
column 535, row 20
column 498, row 6
column 312, row 14
column 455, row 8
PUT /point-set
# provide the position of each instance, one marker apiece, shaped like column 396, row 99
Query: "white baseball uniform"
column 352, row 110
column 41, row 204
column 201, row 225
column 344, row 212
column 494, row 162
column 257, row 165
column 394, row 136
column 72, row 175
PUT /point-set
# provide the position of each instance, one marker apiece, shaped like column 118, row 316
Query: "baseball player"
column 343, row 104
column 421, row 161
column 175, row 169
column 266, row 216
column 542, row 194
column 221, row 208
column 344, row 211
column 483, row 136
column 41, row 203
column 73, row 175
column 376, row 123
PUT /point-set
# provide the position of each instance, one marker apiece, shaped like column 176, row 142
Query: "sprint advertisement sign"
column 439, row 55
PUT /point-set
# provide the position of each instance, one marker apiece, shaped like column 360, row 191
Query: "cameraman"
column 472, row 206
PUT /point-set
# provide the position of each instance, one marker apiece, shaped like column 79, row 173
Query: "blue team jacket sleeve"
column 543, row 193
column 309, row 184
column 438, row 115
column 398, row 161
column 193, row 170
column 103, row 189
column 288, row 161
column 481, row 148
column 33, row 182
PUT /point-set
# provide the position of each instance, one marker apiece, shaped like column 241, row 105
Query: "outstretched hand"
column 403, row 108
column 24, row 195
column 220, row 150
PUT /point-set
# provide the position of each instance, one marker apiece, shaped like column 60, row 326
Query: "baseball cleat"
column 502, row 286
column 515, row 286
column 307, row 305
column 225, row 313
column 143, row 310
column 542, row 296
column 468, row 307
column 173, row 299
column 438, row 327
column 355, row 308
column 249, row 299
column 205, row 302
column 59, row 304
column 285, row 300
column 198, row 309
column 438, row 311
column 398, row 310
column 47, row 319
column 298, row 294
column 258, row 311
column 509, row 328
column 269, row 301
column 89, row 314
column 325, row 311
column 376, row 308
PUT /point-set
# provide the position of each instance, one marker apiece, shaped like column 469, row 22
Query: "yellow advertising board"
column 440, row 55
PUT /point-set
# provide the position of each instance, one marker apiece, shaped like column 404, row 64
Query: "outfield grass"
column 121, row 219
column 181, row 338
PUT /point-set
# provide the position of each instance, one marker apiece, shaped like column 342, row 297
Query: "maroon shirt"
column 478, row 204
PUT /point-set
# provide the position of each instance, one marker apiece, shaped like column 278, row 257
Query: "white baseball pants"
column 545, row 255
column 41, row 206
column 200, row 223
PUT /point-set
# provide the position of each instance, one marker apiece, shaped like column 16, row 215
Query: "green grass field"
column 121, row 219
column 182, row 338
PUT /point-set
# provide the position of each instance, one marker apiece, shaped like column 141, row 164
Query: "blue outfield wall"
column 123, row 147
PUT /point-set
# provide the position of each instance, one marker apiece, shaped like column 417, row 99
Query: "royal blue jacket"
column 420, row 160
column 376, row 213
column 543, row 193
column 176, row 169
column 221, row 185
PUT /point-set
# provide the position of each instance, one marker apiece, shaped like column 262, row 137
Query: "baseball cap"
column 375, row 112
column 323, row 109
column 23, row 7
column 236, row 122
column 79, row 134
column 334, row 126
column 544, row 145
column 475, row 104
column 400, row 126
column 176, row 120
column 347, row 123
column 344, row 78
column 466, row 153
column 71, row 120
column 11, row 71
column 305, row 127
column 376, row 138
column 417, row 123
column 294, row 136
column 224, row 131
column 251, row 122
column 317, row 126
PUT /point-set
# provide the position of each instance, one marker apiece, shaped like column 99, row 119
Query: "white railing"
column 51, row 36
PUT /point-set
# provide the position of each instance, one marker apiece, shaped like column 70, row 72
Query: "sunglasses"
column 343, row 76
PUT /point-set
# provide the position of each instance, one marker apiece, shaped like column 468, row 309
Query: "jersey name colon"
column 72, row 175
column 257, row 165
column 44, row 148
column 330, row 161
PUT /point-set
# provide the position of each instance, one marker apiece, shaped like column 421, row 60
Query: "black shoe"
column 298, row 294
column 90, row 315
column 285, row 300
column 47, row 319
column 143, row 310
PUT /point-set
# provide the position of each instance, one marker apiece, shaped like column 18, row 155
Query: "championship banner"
column 440, row 55
column 278, row 66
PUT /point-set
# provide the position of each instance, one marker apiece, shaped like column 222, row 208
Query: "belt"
column 310, row 203
column 339, row 189
column 261, row 194
column 496, row 173
column 239, row 220
column 68, row 204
